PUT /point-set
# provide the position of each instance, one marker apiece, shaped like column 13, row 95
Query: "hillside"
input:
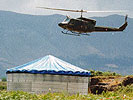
column 24, row 38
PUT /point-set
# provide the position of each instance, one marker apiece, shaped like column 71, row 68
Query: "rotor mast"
column 82, row 12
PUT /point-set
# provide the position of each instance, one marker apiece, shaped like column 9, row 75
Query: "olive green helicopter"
column 84, row 26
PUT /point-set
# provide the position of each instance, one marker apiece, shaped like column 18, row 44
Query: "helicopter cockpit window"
column 66, row 20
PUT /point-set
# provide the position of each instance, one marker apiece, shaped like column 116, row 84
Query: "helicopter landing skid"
column 74, row 33
column 85, row 34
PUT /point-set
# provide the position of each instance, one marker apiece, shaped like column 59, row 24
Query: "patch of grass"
column 125, row 90
column 20, row 95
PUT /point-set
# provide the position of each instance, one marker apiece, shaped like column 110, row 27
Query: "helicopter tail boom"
column 111, row 29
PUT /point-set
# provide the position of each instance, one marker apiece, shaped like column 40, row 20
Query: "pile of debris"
column 99, row 84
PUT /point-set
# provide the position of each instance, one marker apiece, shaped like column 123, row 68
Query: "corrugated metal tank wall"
column 43, row 83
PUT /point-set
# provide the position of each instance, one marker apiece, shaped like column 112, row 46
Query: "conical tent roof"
column 49, row 65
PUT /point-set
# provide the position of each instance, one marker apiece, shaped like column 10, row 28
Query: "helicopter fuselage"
column 84, row 25
column 81, row 25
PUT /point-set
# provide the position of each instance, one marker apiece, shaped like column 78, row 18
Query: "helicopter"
column 84, row 26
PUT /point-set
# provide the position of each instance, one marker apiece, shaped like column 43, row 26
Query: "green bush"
column 4, row 79
column 100, row 73
column 3, row 86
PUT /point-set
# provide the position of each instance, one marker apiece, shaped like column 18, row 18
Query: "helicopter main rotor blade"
column 107, row 11
column 63, row 9
column 82, row 11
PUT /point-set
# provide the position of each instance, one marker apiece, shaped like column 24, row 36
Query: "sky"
column 29, row 6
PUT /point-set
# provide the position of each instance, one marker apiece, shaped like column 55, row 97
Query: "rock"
column 96, row 89
column 94, row 81
column 100, row 83
column 127, row 81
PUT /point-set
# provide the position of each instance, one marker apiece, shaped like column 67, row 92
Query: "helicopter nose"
column 60, row 24
column 63, row 25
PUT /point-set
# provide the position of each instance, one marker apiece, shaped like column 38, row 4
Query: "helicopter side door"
column 76, row 25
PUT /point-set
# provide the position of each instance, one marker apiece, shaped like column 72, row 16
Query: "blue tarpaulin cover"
column 50, row 65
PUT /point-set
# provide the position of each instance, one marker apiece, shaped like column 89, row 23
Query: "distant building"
column 0, row 80
column 48, row 74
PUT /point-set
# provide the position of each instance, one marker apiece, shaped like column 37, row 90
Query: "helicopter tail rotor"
column 124, row 25
column 126, row 18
